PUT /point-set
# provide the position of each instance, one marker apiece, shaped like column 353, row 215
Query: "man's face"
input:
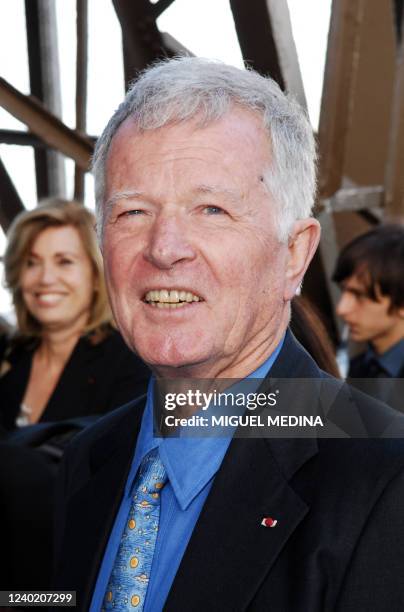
column 194, row 269
column 368, row 320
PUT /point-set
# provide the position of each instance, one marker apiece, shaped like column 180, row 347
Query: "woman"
column 66, row 360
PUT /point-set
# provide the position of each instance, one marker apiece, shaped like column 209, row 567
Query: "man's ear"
column 303, row 242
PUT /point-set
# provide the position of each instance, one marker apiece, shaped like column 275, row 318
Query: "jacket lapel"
column 73, row 388
column 230, row 552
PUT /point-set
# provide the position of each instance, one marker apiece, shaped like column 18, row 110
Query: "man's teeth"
column 170, row 299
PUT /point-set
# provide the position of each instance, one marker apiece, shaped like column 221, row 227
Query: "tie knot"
column 152, row 476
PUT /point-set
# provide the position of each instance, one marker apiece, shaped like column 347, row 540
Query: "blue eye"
column 132, row 213
column 214, row 210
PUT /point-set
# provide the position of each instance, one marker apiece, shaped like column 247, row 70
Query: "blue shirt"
column 191, row 465
column 391, row 361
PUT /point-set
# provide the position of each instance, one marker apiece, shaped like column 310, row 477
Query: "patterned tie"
column 129, row 578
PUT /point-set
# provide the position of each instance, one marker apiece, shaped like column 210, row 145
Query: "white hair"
column 179, row 89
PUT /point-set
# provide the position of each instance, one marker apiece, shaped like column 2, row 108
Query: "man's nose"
column 345, row 304
column 169, row 243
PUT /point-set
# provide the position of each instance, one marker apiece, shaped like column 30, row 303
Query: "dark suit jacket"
column 99, row 376
column 359, row 368
column 338, row 543
column 377, row 383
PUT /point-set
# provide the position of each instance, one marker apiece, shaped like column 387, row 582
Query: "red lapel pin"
column 267, row 521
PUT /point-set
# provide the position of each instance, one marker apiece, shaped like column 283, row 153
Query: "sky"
column 205, row 28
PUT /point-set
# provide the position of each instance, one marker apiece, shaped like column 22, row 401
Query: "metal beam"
column 81, row 86
column 366, row 143
column 339, row 82
column 17, row 137
column 394, row 183
column 175, row 47
column 10, row 202
column 335, row 120
column 398, row 14
column 27, row 139
column 44, row 74
column 266, row 40
column 36, row 78
column 160, row 7
column 142, row 40
column 355, row 199
column 45, row 125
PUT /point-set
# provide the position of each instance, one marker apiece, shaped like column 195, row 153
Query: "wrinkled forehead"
column 177, row 161
column 239, row 131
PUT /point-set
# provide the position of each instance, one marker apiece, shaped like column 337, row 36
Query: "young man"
column 370, row 272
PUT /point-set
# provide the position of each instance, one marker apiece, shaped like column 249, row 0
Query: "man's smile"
column 170, row 298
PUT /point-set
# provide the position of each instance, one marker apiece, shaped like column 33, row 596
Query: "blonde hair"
column 24, row 230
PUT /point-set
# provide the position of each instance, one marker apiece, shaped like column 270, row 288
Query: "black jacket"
column 374, row 381
column 100, row 375
column 338, row 544
column 359, row 368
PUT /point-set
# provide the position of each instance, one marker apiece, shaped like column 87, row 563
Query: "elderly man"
column 205, row 180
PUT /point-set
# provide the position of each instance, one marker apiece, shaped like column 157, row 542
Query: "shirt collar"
column 190, row 462
column 391, row 361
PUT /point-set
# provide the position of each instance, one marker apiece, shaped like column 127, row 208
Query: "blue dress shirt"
column 391, row 361
column 191, row 464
